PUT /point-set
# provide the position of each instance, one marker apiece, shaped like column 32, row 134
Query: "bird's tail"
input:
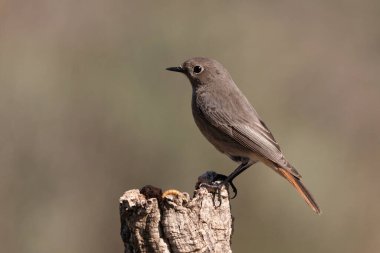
column 305, row 194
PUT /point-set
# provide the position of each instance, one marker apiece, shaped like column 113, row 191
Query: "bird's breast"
column 218, row 137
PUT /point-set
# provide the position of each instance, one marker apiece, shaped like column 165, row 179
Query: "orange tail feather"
column 305, row 194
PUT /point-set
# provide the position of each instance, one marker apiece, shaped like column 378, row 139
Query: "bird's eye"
column 198, row 69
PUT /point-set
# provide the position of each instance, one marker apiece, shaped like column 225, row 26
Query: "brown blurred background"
column 88, row 111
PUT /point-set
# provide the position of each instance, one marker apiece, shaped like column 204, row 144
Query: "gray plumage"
column 227, row 119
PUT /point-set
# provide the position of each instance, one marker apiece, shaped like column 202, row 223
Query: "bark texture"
column 152, row 221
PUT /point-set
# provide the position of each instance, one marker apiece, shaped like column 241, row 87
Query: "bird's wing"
column 251, row 133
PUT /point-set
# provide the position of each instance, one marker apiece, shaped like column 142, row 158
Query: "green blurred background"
column 88, row 111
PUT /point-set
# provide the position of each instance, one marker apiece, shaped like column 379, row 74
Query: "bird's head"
column 202, row 71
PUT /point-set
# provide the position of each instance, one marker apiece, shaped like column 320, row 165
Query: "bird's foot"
column 216, row 184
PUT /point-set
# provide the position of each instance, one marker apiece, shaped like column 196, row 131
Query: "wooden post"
column 152, row 221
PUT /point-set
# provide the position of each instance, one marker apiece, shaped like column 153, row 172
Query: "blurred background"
column 88, row 111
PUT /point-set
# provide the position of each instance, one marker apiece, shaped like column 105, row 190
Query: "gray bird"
column 227, row 119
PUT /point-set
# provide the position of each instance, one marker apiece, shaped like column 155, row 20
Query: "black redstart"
column 227, row 119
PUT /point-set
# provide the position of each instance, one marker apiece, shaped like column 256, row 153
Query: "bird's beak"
column 176, row 69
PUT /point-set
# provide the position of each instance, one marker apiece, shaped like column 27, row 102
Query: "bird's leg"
column 227, row 180
column 223, row 179
column 242, row 167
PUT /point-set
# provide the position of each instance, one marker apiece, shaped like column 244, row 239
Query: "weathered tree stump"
column 152, row 221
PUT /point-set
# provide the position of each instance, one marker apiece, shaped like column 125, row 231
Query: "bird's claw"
column 223, row 178
column 218, row 185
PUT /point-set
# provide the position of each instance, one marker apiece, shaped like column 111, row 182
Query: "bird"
column 228, row 121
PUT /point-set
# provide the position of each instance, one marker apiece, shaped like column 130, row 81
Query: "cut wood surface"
column 152, row 221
